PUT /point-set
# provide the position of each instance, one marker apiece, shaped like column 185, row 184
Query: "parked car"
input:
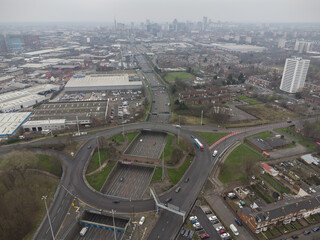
column 208, row 212
column 238, row 222
column 306, row 232
column 191, row 234
column 186, row 233
column 193, row 218
column 316, row 229
column 182, row 231
column 204, row 236
column 219, row 228
column 225, row 235
column 294, row 236
column 213, row 218
column 222, row 231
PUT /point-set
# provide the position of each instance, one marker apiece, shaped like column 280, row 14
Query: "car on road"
column 168, row 199
column 83, row 231
column 178, row 189
column 140, row 140
column 294, row 237
column 192, row 136
column 186, row 180
column 115, row 201
column 204, row 236
column 215, row 152
column 121, row 179
column 89, row 147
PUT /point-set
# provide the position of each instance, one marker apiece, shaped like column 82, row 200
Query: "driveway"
column 227, row 215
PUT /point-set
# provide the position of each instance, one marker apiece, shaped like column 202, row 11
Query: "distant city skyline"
column 281, row 11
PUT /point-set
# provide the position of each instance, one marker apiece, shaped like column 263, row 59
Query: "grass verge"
column 131, row 136
column 250, row 101
column 94, row 162
column 97, row 180
column 117, row 138
column 232, row 167
column 175, row 174
column 157, row 174
column 211, row 138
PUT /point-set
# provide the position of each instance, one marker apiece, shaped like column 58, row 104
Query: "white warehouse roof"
column 10, row 122
column 44, row 122
column 100, row 82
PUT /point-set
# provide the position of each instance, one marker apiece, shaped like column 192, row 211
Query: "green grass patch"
column 250, row 101
column 49, row 164
column 283, row 229
column 275, row 232
column 211, row 138
column 265, row 134
column 297, row 225
column 30, row 160
column 94, row 162
column 97, row 180
column 175, row 174
column 311, row 220
column 157, row 174
column 117, row 138
column 171, row 76
column 317, row 217
column 168, row 149
column 268, row 234
column 131, row 136
column 231, row 169
column 275, row 183
column 290, row 131
column 289, row 227
column 260, row 236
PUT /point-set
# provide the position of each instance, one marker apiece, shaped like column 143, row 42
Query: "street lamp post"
column 114, row 227
column 44, row 198
column 99, row 154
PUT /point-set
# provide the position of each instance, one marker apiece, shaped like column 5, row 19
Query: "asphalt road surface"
column 148, row 144
column 129, row 181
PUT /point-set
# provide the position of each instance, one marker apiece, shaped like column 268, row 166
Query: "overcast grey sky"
column 159, row 10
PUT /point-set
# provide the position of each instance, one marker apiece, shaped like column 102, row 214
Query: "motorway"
column 74, row 185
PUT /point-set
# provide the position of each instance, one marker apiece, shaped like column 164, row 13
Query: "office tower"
column 294, row 74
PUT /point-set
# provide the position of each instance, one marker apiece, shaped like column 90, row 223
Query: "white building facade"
column 294, row 74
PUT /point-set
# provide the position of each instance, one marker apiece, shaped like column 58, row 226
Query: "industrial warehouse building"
column 10, row 122
column 13, row 101
column 102, row 82
column 40, row 125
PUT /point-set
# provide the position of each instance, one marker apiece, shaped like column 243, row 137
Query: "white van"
column 215, row 152
column 83, row 231
column 234, row 229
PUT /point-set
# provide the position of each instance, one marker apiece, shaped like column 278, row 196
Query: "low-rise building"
column 40, row 125
column 284, row 211
column 270, row 170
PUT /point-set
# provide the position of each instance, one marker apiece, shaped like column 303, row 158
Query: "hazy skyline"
column 159, row 11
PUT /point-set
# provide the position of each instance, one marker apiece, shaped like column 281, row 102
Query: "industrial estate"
column 180, row 130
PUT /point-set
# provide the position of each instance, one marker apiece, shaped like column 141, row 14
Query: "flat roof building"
column 40, row 125
column 102, row 82
column 10, row 122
